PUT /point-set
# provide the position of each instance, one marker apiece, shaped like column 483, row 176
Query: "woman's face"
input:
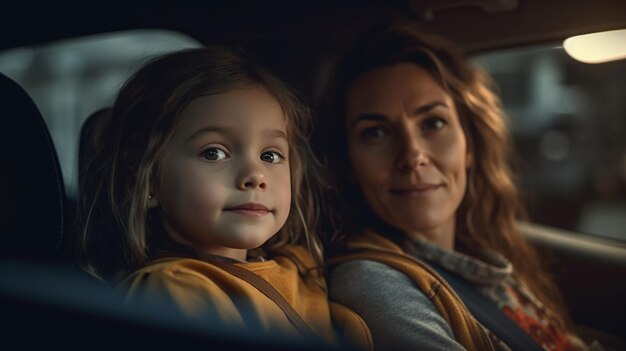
column 407, row 149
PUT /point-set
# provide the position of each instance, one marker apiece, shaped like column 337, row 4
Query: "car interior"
column 61, row 65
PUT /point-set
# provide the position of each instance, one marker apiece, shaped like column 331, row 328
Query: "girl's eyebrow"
column 270, row 133
column 210, row 129
column 276, row 134
column 379, row 117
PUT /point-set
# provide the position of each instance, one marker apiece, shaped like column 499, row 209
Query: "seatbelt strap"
column 489, row 315
column 268, row 290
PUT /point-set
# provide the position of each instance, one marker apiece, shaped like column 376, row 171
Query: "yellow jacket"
column 199, row 287
column 374, row 247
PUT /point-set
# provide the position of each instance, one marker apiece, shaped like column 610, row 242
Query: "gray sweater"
column 399, row 315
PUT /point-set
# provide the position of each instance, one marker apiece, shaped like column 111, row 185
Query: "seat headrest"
column 31, row 185
column 90, row 138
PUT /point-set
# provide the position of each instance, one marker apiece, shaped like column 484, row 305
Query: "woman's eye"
column 433, row 123
column 373, row 133
column 271, row 157
column 214, row 154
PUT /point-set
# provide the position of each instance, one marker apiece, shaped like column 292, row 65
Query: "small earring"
column 152, row 201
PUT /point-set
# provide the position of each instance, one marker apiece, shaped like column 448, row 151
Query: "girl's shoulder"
column 298, row 256
column 287, row 264
column 292, row 264
column 172, row 268
column 297, row 252
column 194, row 276
column 288, row 256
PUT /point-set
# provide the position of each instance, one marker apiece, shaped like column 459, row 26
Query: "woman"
column 418, row 147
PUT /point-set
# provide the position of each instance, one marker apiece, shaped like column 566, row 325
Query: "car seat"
column 90, row 138
column 32, row 195
column 88, row 142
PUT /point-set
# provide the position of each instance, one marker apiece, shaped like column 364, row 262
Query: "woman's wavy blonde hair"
column 491, row 206
column 117, row 230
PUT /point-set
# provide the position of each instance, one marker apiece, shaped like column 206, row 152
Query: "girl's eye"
column 433, row 124
column 271, row 157
column 372, row 133
column 214, row 154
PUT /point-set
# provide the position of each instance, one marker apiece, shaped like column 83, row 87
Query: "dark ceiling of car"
column 289, row 35
column 475, row 24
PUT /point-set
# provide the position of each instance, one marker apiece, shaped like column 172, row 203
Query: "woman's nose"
column 251, row 176
column 411, row 154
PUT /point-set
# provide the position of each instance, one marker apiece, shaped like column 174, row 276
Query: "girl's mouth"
column 249, row 209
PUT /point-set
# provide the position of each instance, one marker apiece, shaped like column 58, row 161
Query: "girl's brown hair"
column 117, row 230
column 491, row 206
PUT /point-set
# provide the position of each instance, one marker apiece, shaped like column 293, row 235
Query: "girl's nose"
column 251, row 177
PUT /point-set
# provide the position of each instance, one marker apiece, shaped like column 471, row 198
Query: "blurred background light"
column 597, row 47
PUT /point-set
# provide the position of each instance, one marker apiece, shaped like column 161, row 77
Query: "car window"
column 568, row 121
column 69, row 80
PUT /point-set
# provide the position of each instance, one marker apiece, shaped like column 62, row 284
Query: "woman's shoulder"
column 357, row 274
column 373, row 282
column 395, row 309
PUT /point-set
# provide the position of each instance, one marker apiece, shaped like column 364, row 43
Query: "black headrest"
column 31, row 186
column 90, row 138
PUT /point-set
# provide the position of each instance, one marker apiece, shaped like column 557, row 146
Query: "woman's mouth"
column 414, row 189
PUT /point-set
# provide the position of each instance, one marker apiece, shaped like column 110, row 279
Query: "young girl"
column 202, row 194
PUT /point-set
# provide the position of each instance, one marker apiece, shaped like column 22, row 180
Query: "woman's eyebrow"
column 429, row 107
column 379, row 117
column 368, row 117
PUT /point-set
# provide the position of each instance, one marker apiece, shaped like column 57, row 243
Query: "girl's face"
column 407, row 150
column 225, row 181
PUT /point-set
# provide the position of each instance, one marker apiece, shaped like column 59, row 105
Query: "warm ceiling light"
column 597, row 47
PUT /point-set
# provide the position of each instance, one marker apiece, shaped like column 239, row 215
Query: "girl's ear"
column 152, row 201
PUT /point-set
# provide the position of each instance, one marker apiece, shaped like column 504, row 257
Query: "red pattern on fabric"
column 544, row 331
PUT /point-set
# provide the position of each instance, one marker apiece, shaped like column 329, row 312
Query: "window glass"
column 568, row 121
column 69, row 80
